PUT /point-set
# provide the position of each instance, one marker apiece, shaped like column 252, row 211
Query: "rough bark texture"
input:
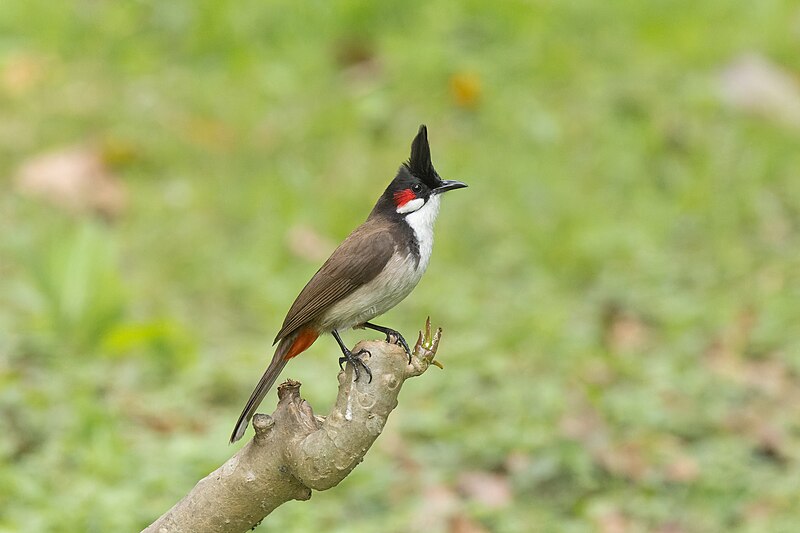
column 294, row 451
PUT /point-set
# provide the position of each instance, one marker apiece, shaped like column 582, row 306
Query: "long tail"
column 287, row 348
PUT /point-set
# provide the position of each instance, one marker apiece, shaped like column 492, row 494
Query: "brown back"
column 356, row 261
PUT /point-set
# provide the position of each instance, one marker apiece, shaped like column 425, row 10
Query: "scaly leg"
column 352, row 358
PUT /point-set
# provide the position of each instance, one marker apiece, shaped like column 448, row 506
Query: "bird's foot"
column 355, row 360
column 394, row 337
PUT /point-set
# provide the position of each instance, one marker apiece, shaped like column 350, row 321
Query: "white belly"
column 388, row 289
column 394, row 283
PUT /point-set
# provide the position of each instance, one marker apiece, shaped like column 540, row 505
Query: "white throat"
column 421, row 222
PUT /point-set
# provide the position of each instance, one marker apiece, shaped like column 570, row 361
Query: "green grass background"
column 619, row 286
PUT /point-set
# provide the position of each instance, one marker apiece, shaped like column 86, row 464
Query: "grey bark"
column 294, row 451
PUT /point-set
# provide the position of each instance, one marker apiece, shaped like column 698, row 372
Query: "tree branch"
column 294, row 451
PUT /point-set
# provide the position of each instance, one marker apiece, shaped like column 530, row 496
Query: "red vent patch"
column 401, row 198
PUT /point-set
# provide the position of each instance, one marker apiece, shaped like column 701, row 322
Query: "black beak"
column 449, row 185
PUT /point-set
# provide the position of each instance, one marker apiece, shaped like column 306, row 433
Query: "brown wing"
column 356, row 261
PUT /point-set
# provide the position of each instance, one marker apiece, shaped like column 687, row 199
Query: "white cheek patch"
column 411, row 206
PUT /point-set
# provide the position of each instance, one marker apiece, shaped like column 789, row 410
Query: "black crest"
column 419, row 164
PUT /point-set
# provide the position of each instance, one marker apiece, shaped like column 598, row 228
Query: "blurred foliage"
column 619, row 286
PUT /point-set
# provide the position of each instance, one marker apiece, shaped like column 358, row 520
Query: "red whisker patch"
column 401, row 198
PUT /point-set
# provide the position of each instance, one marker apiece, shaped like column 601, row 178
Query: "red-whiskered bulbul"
column 373, row 270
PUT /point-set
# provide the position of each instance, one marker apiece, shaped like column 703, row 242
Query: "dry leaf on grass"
column 625, row 331
column 670, row 527
column 22, row 73
column 75, row 179
column 463, row 524
column 439, row 504
column 466, row 89
column 613, row 521
column 517, row 462
column 759, row 423
column 682, row 469
column 754, row 84
column 358, row 60
column 582, row 423
column 628, row 333
column 770, row 375
column 759, row 512
column 307, row 244
column 626, row 460
column 486, row 488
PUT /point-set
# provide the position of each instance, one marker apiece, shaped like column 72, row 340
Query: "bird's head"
column 417, row 183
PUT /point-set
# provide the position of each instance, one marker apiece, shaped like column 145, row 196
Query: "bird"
column 371, row 271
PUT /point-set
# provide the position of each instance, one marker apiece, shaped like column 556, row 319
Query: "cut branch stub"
column 294, row 451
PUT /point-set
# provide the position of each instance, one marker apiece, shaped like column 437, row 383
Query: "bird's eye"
column 416, row 187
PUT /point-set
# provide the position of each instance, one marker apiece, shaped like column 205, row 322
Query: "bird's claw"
column 355, row 360
column 392, row 336
column 395, row 337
